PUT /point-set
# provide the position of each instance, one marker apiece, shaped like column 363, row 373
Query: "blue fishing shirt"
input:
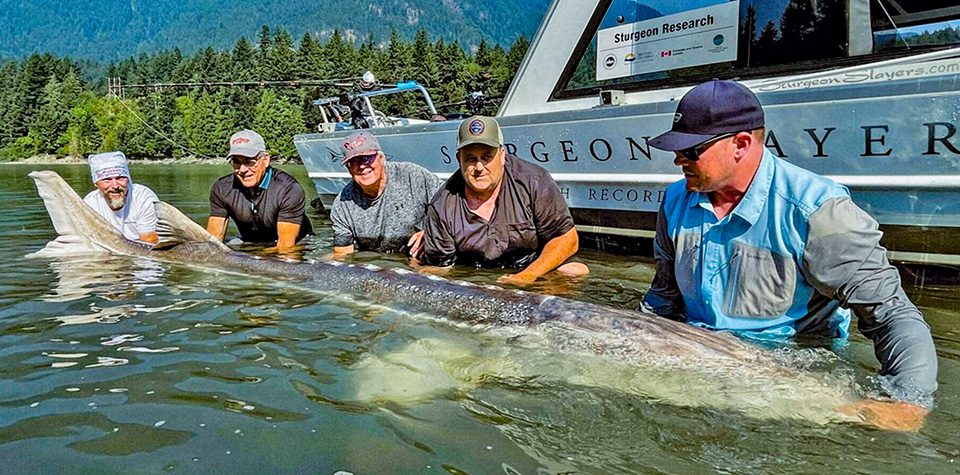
column 796, row 255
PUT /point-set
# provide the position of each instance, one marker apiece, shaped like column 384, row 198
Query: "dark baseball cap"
column 710, row 110
column 359, row 143
column 479, row 129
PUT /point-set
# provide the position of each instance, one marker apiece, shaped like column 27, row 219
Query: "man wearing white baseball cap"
column 266, row 204
column 125, row 205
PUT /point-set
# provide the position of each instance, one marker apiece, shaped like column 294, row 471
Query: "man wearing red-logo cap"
column 266, row 204
column 382, row 207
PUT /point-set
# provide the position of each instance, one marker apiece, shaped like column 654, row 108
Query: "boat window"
column 650, row 44
column 904, row 24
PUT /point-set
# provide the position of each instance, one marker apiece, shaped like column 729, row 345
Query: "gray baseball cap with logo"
column 357, row 144
column 479, row 129
column 246, row 143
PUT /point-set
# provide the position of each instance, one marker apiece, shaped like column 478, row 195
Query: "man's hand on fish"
column 415, row 243
column 520, row 278
column 888, row 415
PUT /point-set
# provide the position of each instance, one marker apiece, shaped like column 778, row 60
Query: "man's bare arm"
column 217, row 226
column 287, row 235
column 555, row 253
column 150, row 236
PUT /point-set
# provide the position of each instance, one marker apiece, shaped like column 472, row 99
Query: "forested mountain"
column 107, row 30
column 49, row 107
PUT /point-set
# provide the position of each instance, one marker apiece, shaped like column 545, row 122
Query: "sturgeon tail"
column 80, row 229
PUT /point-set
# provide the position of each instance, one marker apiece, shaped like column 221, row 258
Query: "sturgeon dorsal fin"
column 173, row 228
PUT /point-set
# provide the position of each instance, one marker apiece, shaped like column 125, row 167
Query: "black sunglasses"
column 693, row 153
column 364, row 160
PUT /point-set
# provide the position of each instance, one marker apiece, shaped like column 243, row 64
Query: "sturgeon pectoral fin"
column 173, row 227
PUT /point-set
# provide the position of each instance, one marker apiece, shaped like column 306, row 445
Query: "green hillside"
column 108, row 30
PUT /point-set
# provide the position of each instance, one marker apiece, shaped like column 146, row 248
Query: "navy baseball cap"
column 710, row 110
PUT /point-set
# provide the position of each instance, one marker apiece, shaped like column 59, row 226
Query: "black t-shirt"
column 529, row 212
column 256, row 211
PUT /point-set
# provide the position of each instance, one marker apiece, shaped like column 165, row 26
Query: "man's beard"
column 116, row 204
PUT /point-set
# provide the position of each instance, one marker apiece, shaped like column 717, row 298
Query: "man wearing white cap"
column 125, row 205
column 266, row 204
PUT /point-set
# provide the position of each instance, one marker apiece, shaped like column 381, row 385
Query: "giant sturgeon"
column 727, row 372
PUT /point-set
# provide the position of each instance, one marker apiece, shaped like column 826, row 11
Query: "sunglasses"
column 238, row 162
column 361, row 160
column 693, row 153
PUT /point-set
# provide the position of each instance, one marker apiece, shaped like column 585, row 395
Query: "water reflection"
column 114, row 278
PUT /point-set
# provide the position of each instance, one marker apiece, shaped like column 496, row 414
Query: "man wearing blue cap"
column 747, row 242
column 125, row 205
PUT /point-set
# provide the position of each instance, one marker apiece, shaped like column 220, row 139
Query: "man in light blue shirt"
column 750, row 243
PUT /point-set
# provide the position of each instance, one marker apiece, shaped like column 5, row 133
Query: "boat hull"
column 894, row 145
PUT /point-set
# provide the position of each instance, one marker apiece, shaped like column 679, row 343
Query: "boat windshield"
column 650, row 44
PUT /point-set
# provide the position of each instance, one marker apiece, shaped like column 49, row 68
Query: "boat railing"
column 355, row 110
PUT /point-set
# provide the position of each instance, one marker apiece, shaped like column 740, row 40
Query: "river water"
column 121, row 365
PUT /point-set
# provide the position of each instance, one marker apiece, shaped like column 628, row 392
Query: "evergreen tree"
column 340, row 56
column 483, row 57
column 46, row 106
column 278, row 120
column 34, row 76
column 243, row 61
column 265, row 50
column 370, row 57
column 765, row 50
column 516, row 53
column 452, row 70
column 177, row 63
column 51, row 119
column 498, row 73
column 81, row 136
column 149, row 137
column 425, row 68
column 796, row 30
column 312, row 64
column 202, row 124
column 398, row 67
column 283, row 64
column 11, row 103
column 111, row 119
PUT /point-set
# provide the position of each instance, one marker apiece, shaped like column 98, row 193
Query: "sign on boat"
column 864, row 92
